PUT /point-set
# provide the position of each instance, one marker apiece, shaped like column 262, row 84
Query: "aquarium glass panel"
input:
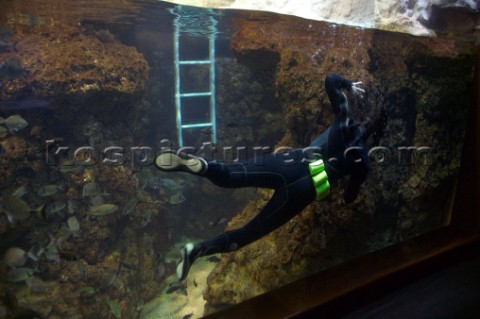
column 141, row 142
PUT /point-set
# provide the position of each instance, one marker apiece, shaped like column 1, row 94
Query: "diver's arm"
column 334, row 83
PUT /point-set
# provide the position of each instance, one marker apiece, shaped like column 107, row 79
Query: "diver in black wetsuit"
column 298, row 176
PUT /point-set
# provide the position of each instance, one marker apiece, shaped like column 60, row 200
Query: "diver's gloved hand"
column 356, row 89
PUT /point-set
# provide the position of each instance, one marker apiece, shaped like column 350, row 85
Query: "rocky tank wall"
column 74, row 85
column 423, row 84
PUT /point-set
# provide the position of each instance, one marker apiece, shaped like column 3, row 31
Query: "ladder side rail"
column 213, row 107
column 178, row 99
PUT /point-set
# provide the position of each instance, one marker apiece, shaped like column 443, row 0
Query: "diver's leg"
column 245, row 175
column 262, row 171
column 283, row 206
column 267, row 171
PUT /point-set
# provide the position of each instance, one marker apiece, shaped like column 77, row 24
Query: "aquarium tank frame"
column 347, row 287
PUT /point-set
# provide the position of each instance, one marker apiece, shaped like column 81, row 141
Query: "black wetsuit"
column 288, row 174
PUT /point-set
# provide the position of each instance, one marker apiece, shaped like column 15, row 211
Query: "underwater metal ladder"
column 207, row 28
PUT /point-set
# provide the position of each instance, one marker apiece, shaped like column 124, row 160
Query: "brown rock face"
column 75, row 72
column 76, row 85
column 425, row 87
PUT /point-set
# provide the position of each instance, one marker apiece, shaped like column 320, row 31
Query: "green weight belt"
column 320, row 179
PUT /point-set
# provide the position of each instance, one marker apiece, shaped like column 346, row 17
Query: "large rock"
column 75, row 70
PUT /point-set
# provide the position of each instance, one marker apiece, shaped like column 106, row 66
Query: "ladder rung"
column 196, row 62
column 197, row 125
column 195, row 94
